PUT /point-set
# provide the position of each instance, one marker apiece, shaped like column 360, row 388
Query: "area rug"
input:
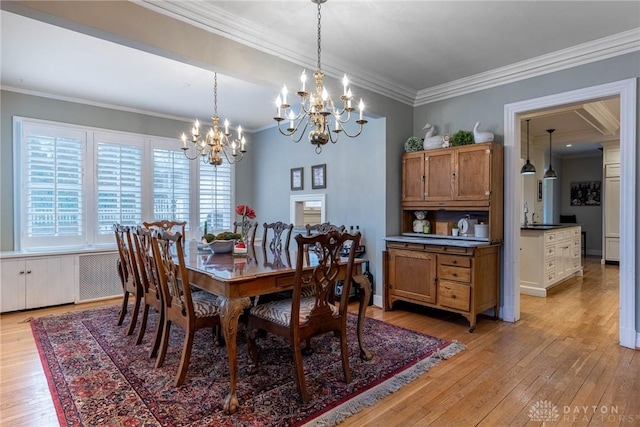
column 99, row 377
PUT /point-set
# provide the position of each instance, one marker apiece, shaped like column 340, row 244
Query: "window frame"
column 93, row 136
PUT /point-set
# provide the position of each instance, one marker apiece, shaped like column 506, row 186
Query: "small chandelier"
column 316, row 109
column 217, row 142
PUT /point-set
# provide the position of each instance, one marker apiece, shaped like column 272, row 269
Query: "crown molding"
column 92, row 103
column 608, row 47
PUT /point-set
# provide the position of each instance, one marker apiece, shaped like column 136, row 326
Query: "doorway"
column 626, row 90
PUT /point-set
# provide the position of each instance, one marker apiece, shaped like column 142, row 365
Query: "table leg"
column 363, row 290
column 230, row 310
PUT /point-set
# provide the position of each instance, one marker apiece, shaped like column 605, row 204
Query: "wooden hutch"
column 459, row 274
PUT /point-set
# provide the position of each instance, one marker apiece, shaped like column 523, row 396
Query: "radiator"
column 98, row 277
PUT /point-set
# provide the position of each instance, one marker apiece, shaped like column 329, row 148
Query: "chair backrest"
column 248, row 230
column 128, row 264
column 167, row 225
column 323, row 228
column 174, row 278
column 568, row 219
column 280, row 231
column 146, row 263
column 321, row 282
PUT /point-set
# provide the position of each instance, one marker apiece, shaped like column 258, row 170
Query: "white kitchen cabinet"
column 611, row 202
column 548, row 257
column 32, row 282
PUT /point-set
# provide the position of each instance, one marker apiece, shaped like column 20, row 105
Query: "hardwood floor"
column 564, row 350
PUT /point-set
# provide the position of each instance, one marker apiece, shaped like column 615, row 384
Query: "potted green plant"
column 454, row 230
column 462, row 137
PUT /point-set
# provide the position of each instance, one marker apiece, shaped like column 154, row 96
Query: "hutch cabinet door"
column 412, row 275
column 413, row 177
column 473, row 173
column 439, row 175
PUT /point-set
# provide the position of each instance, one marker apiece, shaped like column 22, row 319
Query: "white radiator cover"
column 98, row 277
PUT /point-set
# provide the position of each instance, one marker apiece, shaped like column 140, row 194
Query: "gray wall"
column 577, row 169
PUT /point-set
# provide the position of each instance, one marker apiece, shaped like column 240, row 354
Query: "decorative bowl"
column 221, row 246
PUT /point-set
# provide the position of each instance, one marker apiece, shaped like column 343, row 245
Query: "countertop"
column 546, row 227
column 432, row 239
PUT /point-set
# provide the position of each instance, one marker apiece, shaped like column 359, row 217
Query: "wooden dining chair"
column 129, row 275
column 279, row 231
column 150, row 281
column 249, row 227
column 189, row 310
column 302, row 317
column 167, row 225
column 323, row 228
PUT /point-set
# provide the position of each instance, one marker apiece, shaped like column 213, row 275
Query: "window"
column 73, row 183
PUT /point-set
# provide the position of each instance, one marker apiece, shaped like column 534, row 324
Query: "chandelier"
column 217, row 142
column 317, row 110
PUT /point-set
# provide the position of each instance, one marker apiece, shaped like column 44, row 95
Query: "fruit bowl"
column 221, row 246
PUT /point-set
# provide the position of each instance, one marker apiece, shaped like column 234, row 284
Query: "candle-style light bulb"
column 279, row 105
column 242, row 142
column 226, row 127
column 284, row 94
column 361, row 106
column 240, row 132
column 184, row 140
column 303, row 79
column 292, row 117
column 345, row 83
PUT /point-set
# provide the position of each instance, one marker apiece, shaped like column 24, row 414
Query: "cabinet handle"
column 28, row 271
column 422, row 177
column 21, row 271
column 455, row 274
column 454, row 262
column 435, row 279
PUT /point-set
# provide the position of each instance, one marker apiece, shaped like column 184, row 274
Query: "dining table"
column 237, row 280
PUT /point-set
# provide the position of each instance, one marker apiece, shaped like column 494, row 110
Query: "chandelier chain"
column 215, row 94
column 319, row 37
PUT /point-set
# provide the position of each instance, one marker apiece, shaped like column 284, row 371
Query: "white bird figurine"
column 479, row 136
column 431, row 140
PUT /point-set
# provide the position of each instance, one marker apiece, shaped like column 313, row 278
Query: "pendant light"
column 550, row 173
column 528, row 168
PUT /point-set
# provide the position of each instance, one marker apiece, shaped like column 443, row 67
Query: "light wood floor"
column 564, row 350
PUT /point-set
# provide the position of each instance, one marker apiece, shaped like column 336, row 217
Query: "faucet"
column 526, row 211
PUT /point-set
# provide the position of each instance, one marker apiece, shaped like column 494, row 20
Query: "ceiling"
column 412, row 51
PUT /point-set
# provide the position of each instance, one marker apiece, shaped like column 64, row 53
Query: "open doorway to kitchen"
column 626, row 90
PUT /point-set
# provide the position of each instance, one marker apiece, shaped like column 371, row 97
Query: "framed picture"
column 297, row 179
column 585, row 193
column 539, row 190
column 318, row 176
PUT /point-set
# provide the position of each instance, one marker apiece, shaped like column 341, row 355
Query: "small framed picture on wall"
column 297, row 179
column 318, row 176
column 539, row 190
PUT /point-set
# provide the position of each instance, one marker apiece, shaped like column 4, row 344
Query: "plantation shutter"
column 119, row 185
column 51, row 176
column 170, row 185
column 215, row 197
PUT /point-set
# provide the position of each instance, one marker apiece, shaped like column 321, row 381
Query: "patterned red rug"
column 98, row 376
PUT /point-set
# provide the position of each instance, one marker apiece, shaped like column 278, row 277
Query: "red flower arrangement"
column 246, row 211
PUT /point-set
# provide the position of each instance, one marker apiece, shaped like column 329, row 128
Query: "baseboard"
column 629, row 338
column 377, row 301
column 532, row 291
